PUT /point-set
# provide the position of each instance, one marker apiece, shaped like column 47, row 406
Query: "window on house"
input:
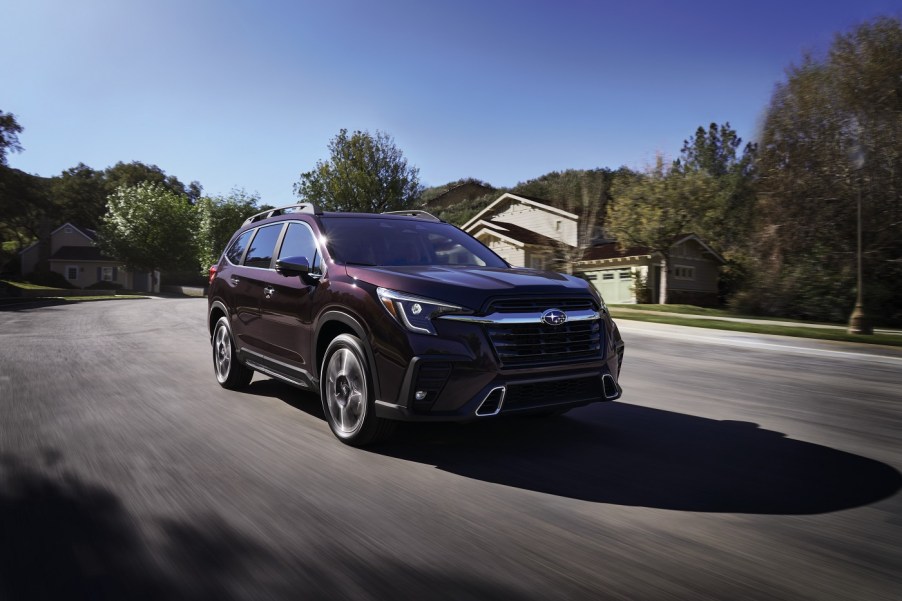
column 537, row 262
column 71, row 272
column 624, row 274
column 684, row 272
column 607, row 276
column 106, row 274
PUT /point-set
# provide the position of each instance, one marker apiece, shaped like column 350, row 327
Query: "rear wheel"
column 230, row 372
column 347, row 394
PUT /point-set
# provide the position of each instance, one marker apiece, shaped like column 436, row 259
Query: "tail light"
column 212, row 273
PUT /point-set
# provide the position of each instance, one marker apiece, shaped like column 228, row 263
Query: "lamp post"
column 859, row 322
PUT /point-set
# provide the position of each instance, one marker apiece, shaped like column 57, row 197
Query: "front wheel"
column 230, row 372
column 347, row 394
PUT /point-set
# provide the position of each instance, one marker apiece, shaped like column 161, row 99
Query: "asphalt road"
column 735, row 467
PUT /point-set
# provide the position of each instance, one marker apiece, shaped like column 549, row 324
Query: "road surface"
column 735, row 466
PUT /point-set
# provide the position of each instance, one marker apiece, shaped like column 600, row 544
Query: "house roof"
column 521, row 233
column 609, row 250
column 91, row 235
column 507, row 196
column 81, row 253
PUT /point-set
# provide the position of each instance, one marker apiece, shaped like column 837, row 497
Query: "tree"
column 654, row 210
column 365, row 173
column 149, row 227
column 218, row 218
column 136, row 172
column 80, row 195
column 825, row 111
column 729, row 223
column 9, row 136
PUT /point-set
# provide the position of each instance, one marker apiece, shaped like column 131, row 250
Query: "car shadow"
column 632, row 455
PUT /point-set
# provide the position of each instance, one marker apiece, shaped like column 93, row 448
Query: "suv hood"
column 470, row 287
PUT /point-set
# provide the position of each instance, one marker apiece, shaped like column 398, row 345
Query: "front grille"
column 541, row 394
column 523, row 345
column 531, row 305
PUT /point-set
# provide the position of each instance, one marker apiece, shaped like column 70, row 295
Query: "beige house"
column 530, row 232
column 72, row 252
column 524, row 231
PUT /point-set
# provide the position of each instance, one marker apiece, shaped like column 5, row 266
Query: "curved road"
column 735, row 467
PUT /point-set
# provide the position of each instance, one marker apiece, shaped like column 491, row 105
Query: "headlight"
column 414, row 312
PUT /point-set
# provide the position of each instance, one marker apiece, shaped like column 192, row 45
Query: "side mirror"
column 293, row 266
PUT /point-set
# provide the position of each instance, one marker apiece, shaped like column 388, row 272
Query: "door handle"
column 235, row 279
column 269, row 291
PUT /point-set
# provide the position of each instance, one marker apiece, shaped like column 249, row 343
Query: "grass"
column 26, row 285
column 754, row 328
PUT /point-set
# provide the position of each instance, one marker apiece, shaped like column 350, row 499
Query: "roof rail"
column 414, row 213
column 307, row 207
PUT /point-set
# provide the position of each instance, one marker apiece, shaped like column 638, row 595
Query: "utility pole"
column 859, row 322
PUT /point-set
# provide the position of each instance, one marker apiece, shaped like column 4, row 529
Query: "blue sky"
column 248, row 94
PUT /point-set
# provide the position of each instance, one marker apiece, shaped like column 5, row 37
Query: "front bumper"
column 455, row 391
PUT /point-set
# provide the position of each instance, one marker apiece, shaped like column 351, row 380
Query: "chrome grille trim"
column 521, row 318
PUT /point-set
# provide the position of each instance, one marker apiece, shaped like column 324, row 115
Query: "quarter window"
column 261, row 250
column 236, row 251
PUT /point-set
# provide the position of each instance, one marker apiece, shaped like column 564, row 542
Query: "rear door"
column 249, row 280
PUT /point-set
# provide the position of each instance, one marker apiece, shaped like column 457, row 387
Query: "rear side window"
column 261, row 250
column 236, row 251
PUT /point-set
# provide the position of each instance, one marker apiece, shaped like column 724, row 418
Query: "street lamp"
column 859, row 322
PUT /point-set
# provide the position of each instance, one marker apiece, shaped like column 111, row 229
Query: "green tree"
column 136, row 172
column 826, row 111
column 718, row 152
column 365, row 173
column 218, row 218
column 150, row 227
column 9, row 136
column 655, row 209
column 79, row 195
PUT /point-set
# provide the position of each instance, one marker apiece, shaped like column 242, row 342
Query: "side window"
column 262, row 247
column 236, row 251
column 299, row 242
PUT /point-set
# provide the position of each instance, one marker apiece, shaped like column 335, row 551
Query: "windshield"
column 395, row 242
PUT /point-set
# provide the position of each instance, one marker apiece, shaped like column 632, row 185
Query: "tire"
column 230, row 372
column 347, row 393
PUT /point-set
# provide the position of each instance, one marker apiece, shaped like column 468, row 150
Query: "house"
column 634, row 275
column 533, row 233
column 524, row 231
column 71, row 251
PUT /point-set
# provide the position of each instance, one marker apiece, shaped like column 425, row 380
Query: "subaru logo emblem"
column 554, row 317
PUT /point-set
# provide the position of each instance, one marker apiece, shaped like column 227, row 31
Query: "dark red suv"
column 401, row 316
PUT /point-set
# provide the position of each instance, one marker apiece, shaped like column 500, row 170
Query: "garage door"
column 614, row 285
